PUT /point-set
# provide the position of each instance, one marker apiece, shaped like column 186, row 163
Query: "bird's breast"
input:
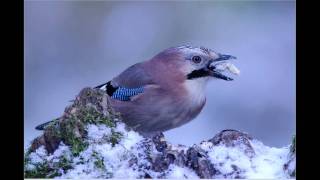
column 195, row 91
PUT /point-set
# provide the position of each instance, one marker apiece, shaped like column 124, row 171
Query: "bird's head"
column 199, row 63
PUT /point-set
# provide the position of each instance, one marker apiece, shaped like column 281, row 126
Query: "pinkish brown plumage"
column 166, row 91
column 170, row 99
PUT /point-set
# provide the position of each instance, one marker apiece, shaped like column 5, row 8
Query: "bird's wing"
column 135, row 76
column 129, row 83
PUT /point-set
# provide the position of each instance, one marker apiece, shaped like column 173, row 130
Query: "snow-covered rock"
column 90, row 141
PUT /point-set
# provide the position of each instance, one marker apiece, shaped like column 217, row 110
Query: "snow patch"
column 233, row 162
column 129, row 158
column 179, row 172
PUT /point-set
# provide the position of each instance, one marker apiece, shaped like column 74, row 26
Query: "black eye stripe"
column 198, row 74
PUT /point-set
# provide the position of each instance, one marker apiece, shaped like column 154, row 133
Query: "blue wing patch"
column 124, row 94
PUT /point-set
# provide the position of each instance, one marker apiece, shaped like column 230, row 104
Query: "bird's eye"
column 196, row 59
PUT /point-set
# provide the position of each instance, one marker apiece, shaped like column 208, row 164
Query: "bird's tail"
column 44, row 125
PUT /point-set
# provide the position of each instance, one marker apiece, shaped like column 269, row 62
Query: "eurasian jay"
column 166, row 91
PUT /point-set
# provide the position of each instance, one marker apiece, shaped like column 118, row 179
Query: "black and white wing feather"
column 129, row 83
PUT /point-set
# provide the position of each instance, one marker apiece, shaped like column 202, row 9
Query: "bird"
column 166, row 91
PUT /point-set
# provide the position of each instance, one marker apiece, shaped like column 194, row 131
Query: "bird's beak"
column 224, row 57
column 215, row 71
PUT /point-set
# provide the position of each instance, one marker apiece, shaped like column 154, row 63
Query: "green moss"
column 41, row 170
column 99, row 164
column 115, row 137
column 28, row 173
column 72, row 131
column 108, row 122
column 90, row 115
column 293, row 144
column 46, row 169
column 64, row 164
column 27, row 158
column 77, row 146
column 99, row 161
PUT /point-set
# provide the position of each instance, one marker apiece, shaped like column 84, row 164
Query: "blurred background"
column 75, row 44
